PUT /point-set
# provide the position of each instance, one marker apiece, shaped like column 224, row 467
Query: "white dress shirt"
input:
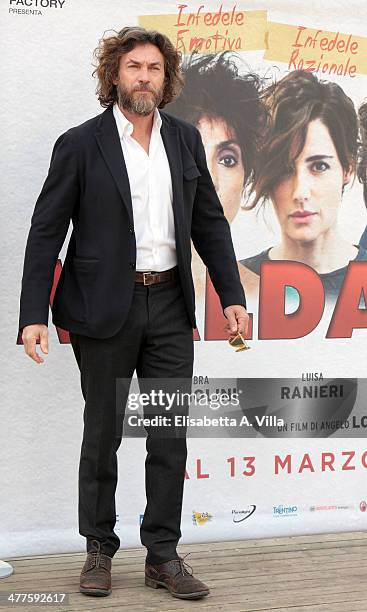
column 151, row 194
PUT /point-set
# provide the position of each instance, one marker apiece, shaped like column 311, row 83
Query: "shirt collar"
column 125, row 127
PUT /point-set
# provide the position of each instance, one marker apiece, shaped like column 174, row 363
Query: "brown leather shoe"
column 95, row 578
column 174, row 576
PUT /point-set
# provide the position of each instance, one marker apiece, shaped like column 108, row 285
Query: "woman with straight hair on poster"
column 307, row 157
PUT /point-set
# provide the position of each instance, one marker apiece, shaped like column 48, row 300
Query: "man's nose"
column 144, row 75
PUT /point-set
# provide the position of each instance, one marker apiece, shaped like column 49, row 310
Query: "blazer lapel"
column 170, row 137
column 109, row 142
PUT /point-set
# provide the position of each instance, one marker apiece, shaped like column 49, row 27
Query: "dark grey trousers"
column 156, row 341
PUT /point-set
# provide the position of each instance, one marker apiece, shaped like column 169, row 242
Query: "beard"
column 142, row 104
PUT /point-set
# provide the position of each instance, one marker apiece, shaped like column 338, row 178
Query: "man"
column 135, row 183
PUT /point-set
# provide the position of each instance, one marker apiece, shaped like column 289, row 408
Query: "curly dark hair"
column 214, row 88
column 110, row 50
column 293, row 102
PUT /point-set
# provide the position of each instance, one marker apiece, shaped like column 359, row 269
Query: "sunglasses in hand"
column 238, row 342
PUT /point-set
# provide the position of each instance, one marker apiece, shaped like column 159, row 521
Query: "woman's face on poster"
column 307, row 200
column 224, row 159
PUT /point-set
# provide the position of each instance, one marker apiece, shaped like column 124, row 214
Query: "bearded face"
column 140, row 80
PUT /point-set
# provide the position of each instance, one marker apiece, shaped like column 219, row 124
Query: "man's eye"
column 320, row 166
column 229, row 161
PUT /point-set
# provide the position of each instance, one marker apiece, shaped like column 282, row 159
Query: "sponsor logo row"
column 242, row 514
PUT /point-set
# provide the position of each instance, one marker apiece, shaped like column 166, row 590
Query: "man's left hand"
column 238, row 320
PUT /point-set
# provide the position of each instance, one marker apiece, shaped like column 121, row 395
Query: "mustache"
column 144, row 88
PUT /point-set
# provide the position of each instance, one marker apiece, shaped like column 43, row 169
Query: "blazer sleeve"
column 211, row 236
column 49, row 225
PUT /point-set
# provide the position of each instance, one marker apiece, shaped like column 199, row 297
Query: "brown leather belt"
column 153, row 278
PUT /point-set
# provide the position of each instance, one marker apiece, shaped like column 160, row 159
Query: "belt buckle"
column 145, row 275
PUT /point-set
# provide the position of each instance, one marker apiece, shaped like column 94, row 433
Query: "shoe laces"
column 96, row 552
column 185, row 568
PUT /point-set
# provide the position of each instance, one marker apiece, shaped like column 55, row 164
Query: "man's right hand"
column 30, row 335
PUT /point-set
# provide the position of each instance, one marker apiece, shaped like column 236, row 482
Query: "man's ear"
column 115, row 79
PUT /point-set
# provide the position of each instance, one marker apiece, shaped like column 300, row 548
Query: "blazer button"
column 131, row 230
column 132, row 265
